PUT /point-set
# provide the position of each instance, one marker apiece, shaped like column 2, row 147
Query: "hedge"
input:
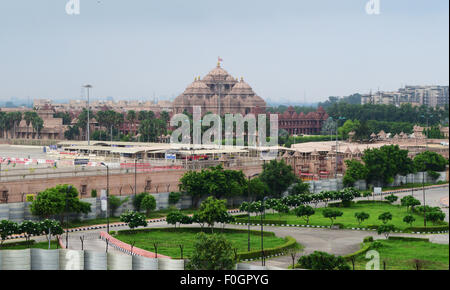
column 195, row 230
column 265, row 221
column 290, row 243
column 430, row 229
column 21, row 243
column 365, row 247
column 372, row 201
column 409, row 239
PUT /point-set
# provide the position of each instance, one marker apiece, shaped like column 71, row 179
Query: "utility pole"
column 88, row 136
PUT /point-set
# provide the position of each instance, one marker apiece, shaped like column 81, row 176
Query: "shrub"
column 332, row 214
column 138, row 199
column 323, row 261
column 385, row 217
column 174, row 197
column 148, row 203
column 94, row 193
column 361, row 216
column 212, row 252
column 391, row 198
column 133, row 219
column 368, row 239
column 409, row 219
column 386, row 230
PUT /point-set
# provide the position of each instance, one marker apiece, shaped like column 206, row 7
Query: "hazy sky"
column 284, row 49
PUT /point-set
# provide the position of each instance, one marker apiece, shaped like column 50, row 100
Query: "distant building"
column 433, row 96
column 296, row 124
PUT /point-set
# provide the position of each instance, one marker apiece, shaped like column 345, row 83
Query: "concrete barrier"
column 95, row 260
column 44, row 259
column 16, row 212
column 16, row 259
column 170, row 264
column 143, row 263
column 119, row 262
column 71, row 260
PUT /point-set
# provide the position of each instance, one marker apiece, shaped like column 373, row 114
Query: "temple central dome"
column 220, row 92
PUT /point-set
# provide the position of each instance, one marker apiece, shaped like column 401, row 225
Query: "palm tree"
column 38, row 125
column 28, row 117
column 131, row 117
column 2, row 124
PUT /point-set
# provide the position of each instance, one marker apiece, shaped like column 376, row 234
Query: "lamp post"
column 88, row 137
column 135, row 176
column 337, row 144
column 107, row 196
column 248, row 208
column 69, row 188
column 263, row 212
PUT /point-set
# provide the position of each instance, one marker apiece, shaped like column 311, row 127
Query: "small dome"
column 242, row 88
column 197, row 87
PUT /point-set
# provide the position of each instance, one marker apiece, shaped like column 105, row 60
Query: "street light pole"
column 262, row 231
column 69, row 188
column 135, row 177
column 248, row 208
column 88, row 137
column 107, row 196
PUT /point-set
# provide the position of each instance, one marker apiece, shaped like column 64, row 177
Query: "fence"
column 62, row 259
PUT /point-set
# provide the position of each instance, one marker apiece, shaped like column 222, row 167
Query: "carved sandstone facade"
column 219, row 93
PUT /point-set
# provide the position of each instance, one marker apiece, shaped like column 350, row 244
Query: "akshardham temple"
column 220, row 93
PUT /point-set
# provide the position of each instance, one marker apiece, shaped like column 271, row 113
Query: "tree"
column 29, row 228
column 7, row 228
column 257, row 189
column 115, row 202
column 347, row 195
column 355, row 171
column 137, row 200
column 212, row 252
column 305, row 212
column 386, row 230
column 409, row 219
column 148, row 204
column 332, row 214
column 212, row 209
column 38, row 124
column 385, row 217
column 299, row 188
column 281, row 208
column 430, row 161
column 174, row 197
column 174, row 217
column 322, row 261
column 199, row 218
column 133, row 219
column 59, row 200
column 51, row 228
column 278, row 176
column 384, row 163
column 361, row 216
column 409, row 202
column 391, row 198
column 435, row 217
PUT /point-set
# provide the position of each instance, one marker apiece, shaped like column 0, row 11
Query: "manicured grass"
column 348, row 219
column 34, row 245
column 400, row 255
column 169, row 241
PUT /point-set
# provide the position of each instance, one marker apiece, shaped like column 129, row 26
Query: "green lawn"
column 400, row 255
column 169, row 241
column 348, row 218
column 22, row 246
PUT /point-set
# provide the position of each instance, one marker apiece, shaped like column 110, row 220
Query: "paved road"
column 338, row 242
